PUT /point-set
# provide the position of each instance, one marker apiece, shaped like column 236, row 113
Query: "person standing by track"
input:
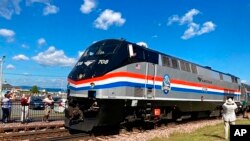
column 245, row 108
column 5, row 108
column 228, row 115
column 10, row 96
column 48, row 106
column 25, row 100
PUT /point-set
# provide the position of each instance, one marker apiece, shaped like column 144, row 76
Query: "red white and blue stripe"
column 128, row 79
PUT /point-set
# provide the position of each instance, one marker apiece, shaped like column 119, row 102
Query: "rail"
column 37, row 135
column 79, row 136
column 34, row 126
column 61, row 134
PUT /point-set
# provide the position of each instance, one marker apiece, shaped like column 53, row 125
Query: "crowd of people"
column 6, row 105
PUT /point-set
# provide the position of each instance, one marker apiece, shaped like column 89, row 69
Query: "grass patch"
column 208, row 133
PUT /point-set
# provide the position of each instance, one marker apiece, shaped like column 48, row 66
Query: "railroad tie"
column 15, row 129
column 26, row 128
column 100, row 139
column 37, row 128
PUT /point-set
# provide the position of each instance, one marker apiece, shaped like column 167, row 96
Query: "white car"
column 60, row 105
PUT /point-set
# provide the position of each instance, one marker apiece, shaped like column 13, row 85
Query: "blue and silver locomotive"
column 118, row 81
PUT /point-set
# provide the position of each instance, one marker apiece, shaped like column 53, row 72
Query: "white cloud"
column 193, row 29
column 207, row 27
column 108, row 18
column 245, row 82
column 142, row 44
column 88, row 6
column 37, row 1
column 50, row 9
column 27, row 74
column 173, row 19
column 155, row 36
column 7, row 33
column 187, row 18
column 9, row 7
column 10, row 67
column 53, row 57
column 20, row 57
column 80, row 53
column 41, row 41
column 25, row 46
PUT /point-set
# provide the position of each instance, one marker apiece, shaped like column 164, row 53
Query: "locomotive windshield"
column 99, row 58
column 101, row 48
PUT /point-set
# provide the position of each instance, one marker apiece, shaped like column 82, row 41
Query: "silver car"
column 60, row 105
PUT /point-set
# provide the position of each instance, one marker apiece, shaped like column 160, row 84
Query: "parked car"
column 55, row 99
column 60, row 105
column 36, row 103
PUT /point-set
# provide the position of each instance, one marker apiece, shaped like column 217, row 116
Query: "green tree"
column 34, row 89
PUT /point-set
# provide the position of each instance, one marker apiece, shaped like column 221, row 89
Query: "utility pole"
column 1, row 75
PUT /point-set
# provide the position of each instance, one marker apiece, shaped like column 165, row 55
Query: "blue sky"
column 42, row 39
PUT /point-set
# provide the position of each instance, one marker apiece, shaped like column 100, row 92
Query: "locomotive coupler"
column 74, row 114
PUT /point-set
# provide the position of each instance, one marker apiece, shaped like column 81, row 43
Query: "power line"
column 36, row 75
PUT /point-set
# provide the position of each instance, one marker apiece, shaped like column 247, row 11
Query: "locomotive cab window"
column 152, row 57
column 165, row 61
column 91, row 50
column 194, row 68
column 185, row 66
column 175, row 64
column 107, row 49
column 139, row 54
column 100, row 48
column 221, row 76
column 234, row 79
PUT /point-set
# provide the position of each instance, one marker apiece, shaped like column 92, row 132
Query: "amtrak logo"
column 166, row 87
column 87, row 63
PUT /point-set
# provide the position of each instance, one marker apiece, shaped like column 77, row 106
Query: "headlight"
column 92, row 85
column 80, row 76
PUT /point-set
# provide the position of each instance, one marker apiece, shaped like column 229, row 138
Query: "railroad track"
column 63, row 134
column 75, row 137
column 12, row 127
column 34, row 135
